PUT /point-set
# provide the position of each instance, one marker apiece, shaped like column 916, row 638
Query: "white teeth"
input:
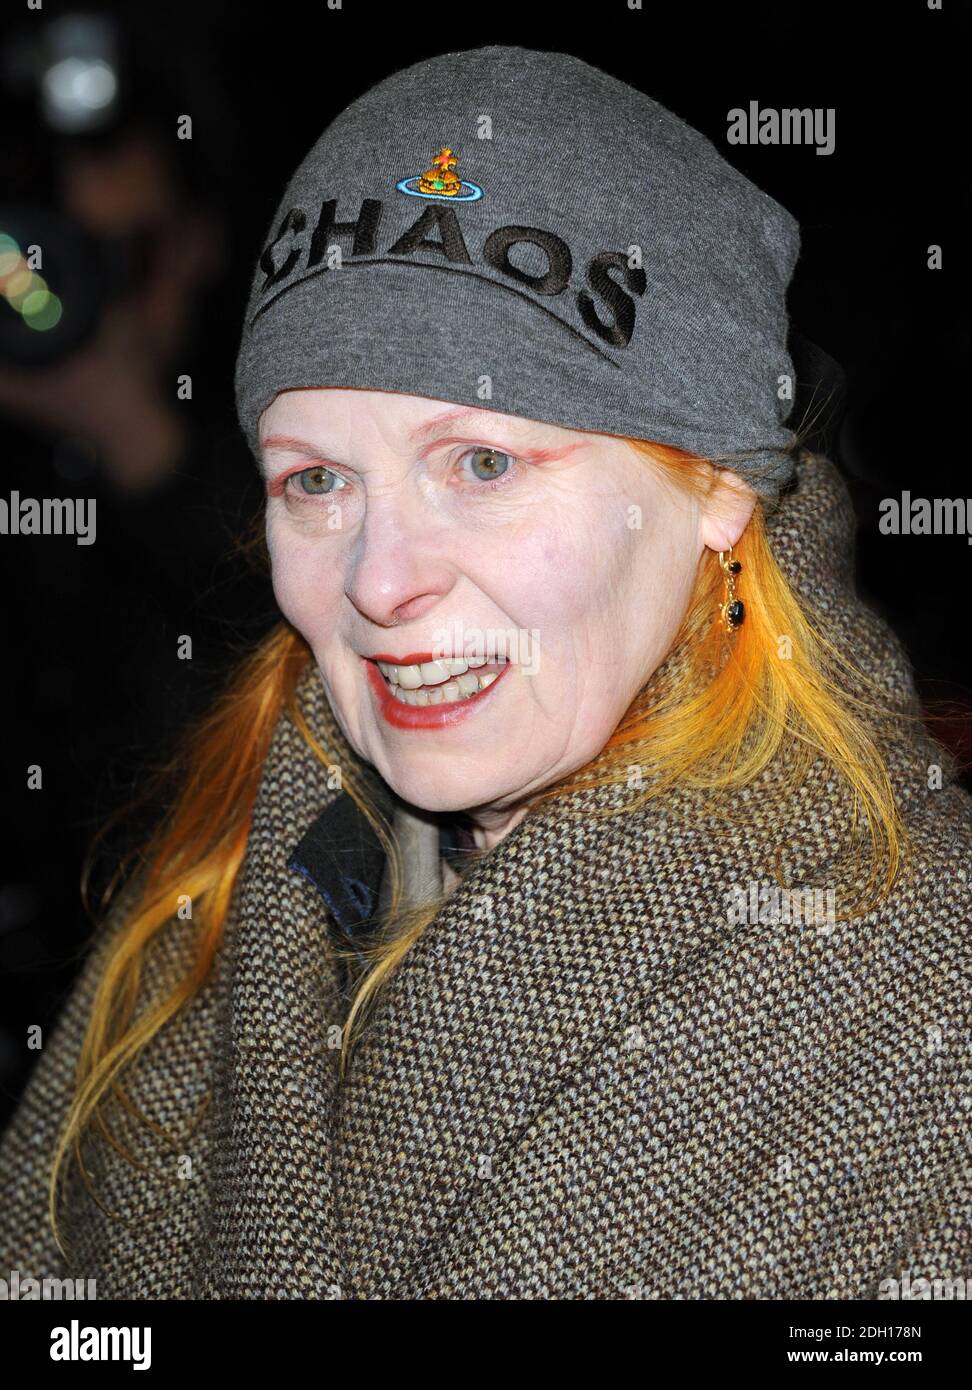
column 461, row 688
column 409, row 677
column 431, row 673
column 434, row 672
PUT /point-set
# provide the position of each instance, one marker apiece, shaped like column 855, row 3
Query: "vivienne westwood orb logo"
column 441, row 181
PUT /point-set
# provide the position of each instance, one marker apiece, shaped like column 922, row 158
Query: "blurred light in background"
column 25, row 290
column 79, row 73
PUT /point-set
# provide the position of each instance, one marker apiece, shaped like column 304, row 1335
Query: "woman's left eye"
column 487, row 465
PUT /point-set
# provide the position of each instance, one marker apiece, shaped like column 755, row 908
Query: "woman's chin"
column 430, row 789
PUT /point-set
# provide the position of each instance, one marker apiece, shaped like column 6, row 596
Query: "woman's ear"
column 726, row 511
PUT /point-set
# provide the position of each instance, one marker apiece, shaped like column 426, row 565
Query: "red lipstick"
column 412, row 659
column 402, row 716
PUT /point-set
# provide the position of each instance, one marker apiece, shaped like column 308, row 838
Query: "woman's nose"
column 397, row 571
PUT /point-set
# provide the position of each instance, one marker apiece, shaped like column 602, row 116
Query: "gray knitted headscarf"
column 519, row 231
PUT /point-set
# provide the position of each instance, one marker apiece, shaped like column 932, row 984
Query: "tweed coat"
column 587, row 1080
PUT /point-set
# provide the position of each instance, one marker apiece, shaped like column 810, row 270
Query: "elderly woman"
column 566, row 900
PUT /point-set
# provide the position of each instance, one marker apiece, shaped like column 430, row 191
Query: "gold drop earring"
column 732, row 610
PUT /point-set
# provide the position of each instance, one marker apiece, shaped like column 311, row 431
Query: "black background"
column 94, row 691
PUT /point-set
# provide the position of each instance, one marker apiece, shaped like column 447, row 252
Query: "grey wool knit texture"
column 585, row 1080
column 594, row 263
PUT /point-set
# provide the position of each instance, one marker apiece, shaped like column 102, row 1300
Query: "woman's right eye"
column 317, row 481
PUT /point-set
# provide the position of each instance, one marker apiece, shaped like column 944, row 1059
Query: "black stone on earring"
column 736, row 612
column 735, row 566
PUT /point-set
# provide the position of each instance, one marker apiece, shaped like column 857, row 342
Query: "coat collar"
column 340, row 854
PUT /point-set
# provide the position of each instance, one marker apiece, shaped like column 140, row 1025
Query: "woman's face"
column 403, row 530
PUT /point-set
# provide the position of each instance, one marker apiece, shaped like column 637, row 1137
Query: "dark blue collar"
column 342, row 856
column 344, row 859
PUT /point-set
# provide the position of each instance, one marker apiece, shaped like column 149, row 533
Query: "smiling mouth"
column 440, row 682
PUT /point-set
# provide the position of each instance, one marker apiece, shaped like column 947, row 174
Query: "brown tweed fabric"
column 584, row 1081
